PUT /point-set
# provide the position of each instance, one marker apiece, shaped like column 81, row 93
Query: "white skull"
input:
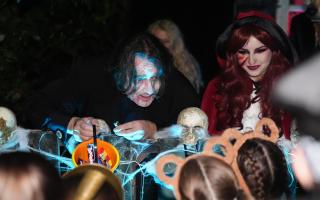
column 8, row 123
column 9, row 117
column 195, row 123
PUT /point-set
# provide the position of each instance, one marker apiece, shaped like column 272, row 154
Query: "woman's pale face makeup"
column 254, row 57
column 147, row 82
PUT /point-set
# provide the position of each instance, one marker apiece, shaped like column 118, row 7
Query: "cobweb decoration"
column 130, row 154
column 18, row 140
column 137, row 157
column 42, row 142
column 286, row 146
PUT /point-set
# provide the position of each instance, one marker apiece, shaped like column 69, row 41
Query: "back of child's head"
column 28, row 176
column 263, row 167
column 206, row 177
column 88, row 182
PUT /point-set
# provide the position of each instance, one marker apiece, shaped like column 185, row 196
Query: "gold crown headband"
column 230, row 152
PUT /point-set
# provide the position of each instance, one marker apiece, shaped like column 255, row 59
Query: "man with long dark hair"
column 140, row 90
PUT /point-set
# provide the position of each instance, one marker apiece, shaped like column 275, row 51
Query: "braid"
column 263, row 167
column 254, row 171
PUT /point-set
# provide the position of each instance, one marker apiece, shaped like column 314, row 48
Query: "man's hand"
column 83, row 127
column 149, row 128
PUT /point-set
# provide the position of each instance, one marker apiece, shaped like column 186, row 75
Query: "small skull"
column 195, row 123
column 8, row 123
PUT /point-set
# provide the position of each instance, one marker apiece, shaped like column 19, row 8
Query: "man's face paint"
column 254, row 57
column 147, row 82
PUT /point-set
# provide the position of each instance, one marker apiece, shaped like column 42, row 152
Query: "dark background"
column 200, row 22
column 40, row 39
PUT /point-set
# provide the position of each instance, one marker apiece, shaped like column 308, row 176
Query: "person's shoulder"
column 91, row 73
column 305, row 16
column 173, row 72
column 211, row 88
column 178, row 85
column 90, row 64
column 213, row 83
column 176, row 77
column 302, row 17
column 177, row 81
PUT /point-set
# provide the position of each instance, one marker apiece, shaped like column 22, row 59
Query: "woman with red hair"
column 253, row 52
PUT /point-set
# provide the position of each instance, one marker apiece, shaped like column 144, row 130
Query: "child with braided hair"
column 232, row 166
column 260, row 164
column 264, row 168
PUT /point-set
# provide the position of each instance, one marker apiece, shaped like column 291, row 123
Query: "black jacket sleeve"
column 70, row 95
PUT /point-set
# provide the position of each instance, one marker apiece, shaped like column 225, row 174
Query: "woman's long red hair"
column 236, row 87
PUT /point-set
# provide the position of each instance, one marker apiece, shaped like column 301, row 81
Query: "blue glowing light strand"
column 61, row 159
column 128, row 163
column 64, row 160
column 286, row 147
column 151, row 164
column 19, row 141
column 129, row 152
column 292, row 180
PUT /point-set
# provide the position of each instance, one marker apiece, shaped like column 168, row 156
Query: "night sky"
column 200, row 22
column 39, row 62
